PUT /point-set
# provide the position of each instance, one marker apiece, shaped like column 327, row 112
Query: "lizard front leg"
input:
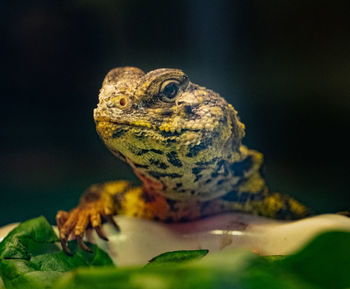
column 98, row 201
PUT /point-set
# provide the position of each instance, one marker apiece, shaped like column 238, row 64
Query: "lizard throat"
column 119, row 126
column 200, row 183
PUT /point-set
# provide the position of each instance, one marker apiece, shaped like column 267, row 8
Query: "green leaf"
column 30, row 257
column 28, row 238
column 177, row 257
column 201, row 273
column 325, row 261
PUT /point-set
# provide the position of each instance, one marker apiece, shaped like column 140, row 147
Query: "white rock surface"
column 140, row 240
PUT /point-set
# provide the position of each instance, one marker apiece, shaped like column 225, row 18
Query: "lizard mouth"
column 146, row 126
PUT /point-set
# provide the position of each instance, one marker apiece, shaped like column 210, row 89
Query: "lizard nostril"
column 122, row 102
column 119, row 102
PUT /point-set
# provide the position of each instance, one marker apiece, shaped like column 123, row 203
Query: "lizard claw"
column 65, row 248
column 82, row 245
column 75, row 223
column 110, row 219
column 100, row 233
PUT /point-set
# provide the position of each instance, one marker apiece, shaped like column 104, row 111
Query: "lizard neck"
column 202, row 180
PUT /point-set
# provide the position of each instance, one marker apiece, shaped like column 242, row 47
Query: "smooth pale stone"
column 140, row 240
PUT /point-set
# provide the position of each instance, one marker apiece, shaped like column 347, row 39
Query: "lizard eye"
column 169, row 90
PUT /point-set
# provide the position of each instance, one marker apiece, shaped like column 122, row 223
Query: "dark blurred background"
column 284, row 65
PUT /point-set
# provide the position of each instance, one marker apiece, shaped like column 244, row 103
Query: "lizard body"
column 184, row 142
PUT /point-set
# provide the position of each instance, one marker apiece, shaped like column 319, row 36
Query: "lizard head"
column 162, row 124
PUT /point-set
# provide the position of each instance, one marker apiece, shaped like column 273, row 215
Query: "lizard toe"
column 75, row 223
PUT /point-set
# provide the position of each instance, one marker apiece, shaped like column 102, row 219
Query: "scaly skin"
column 184, row 142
